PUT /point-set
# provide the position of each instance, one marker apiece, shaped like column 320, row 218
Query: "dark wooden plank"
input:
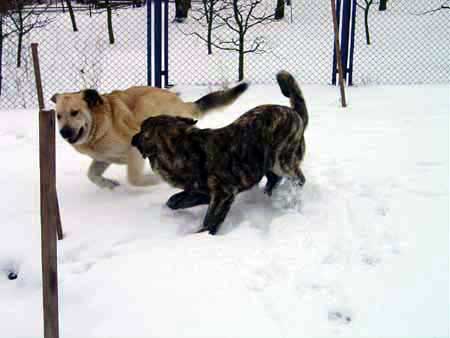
column 48, row 223
column 41, row 102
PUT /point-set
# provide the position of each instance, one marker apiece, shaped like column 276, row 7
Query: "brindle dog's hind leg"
column 272, row 182
column 300, row 178
column 187, row 199
column 217, row 211
column 95, row 172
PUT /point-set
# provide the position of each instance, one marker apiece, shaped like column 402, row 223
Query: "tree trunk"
column 110, row 25
column 279, row 10
column 210, row 14
column 72, row 15
column 366, row 24
column 19, row 50
column 20, row 36
column 182, row 9
column 383, row 5
column 241, row 57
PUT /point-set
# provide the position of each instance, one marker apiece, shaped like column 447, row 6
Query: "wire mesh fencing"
column 70, row 60
column 409, row 44
column 301, row 42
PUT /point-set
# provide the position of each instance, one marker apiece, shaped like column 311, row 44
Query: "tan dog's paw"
column 107, row 183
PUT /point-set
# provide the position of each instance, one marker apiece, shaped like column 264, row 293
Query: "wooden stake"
column 40, row 96
column 338, row 54
column 50, row 220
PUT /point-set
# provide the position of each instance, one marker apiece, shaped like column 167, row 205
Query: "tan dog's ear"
column 92, row 97
column 54, row 97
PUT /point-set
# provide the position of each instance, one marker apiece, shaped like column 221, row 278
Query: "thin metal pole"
column 149, row 42
column 158, row 43
column 352, row 44
column 338, row 54
column 338, row 15
column 346, row 16
column 166, row 43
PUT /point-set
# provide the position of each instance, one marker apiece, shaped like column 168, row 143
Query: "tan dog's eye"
column 74, row 113
column 58, row 116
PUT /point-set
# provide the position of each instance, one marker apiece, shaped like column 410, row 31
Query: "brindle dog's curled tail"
column 290, row 89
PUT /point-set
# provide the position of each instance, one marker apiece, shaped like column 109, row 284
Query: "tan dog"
column 101, row 126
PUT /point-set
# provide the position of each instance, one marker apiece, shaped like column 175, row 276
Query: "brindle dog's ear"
column 54, row 97
column 135, row 140
column 92, row 97
column 187, row 120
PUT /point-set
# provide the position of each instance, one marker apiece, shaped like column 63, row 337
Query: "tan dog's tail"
column 290, row 89
column 220, row 98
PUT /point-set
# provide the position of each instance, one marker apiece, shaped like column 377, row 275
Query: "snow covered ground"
column 362, row 250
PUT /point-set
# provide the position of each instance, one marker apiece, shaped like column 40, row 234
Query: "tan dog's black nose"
column 67, row 132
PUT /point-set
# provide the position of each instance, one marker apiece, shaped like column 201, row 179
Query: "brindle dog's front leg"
column 272, row 181
column 95, row 172
column 218, row 209
column 187, row 199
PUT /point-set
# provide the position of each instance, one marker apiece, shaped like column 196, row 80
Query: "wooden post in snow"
column 40, row 96
column 338, row 53
column 49, row 210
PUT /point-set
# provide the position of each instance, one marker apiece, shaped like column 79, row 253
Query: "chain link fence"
column 302, row 42
column 71, row 61
column 409, row 44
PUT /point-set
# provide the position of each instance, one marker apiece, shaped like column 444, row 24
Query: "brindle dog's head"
column 155, row 129
column 74, row 114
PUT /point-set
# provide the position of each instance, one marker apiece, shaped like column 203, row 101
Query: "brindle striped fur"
column 213, row 166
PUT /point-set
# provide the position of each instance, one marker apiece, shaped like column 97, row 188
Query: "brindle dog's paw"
column 108, row 184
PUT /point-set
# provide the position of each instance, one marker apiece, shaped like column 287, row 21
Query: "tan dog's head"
column 74, row 114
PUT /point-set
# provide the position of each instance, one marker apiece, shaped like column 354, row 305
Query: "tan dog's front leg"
column 136, row 170
column 95, row 172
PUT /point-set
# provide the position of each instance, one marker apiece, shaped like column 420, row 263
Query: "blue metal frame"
column 149, row 42
column 158, row 43
column 166, row 43
column 338, row 15
column 352, row 43
column 157, row 49
column 347, row 39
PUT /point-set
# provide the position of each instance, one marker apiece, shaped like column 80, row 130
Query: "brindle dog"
column 213, row 165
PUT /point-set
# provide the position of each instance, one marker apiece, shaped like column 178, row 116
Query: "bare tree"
column 109, row 19
column 182, row 9
column 72, row 15
column 444, row 6
column 366, row 7
column 239, row 16
column 21, row 21
column 205, row 15
column 279, row 10
column 383, row 5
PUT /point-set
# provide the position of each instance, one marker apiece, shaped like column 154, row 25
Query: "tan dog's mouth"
column 74, row 139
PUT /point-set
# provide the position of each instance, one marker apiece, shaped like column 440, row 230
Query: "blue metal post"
column 345, row 35
column 352, row 43
column 158, row 43
column 149, row 42
column 338, row 15
column 166, row 43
